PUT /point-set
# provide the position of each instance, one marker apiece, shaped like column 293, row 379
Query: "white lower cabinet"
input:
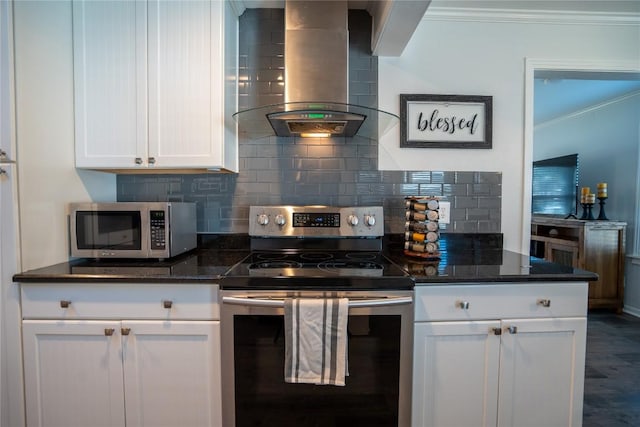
column 118, row 372
column 477, row 364
column 455, row 374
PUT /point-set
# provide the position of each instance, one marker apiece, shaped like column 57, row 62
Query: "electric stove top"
column 316, row 247
column 333, row 270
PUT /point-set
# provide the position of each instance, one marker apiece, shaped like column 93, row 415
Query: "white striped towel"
column 316, row 340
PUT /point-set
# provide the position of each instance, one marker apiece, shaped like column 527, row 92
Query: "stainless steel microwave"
column 132, row 229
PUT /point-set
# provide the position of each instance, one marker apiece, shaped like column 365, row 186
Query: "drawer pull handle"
column 65, row 304
column 496, row 331
column 125, row 331
column 109, row 331
column 167, row 304
column 544, row 302
column 463, row 305
column 512, row 329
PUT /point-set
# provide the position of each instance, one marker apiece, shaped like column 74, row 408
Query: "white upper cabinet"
column 151, row 86
column 110, row 68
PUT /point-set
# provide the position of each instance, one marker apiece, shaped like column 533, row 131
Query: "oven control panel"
column 316, row 221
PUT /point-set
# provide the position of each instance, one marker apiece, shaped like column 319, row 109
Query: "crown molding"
column 529, row 16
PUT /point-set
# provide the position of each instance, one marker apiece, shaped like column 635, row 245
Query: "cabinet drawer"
column 500, row 301
column 119, row 301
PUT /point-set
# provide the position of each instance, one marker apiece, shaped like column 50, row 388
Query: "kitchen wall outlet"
column 444, row 211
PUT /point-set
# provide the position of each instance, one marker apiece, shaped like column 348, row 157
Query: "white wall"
column 45, row 132
column 479, row 55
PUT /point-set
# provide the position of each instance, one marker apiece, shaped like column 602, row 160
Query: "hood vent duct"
column 316, row 81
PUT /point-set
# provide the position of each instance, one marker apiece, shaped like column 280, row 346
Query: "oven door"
column 380, row 346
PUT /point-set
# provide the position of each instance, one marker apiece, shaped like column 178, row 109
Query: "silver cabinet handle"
column 65, row 304
column 3, row 172
column 125, row 331
column 512, row 329
column 138, row 160
column 376, row 302
column 152, row 160
column 464, row 305
column 108, row 331
column 167, row 304
column 544, row 302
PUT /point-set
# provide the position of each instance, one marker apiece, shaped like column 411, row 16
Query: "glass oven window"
column 370, row 397
column 109, row 230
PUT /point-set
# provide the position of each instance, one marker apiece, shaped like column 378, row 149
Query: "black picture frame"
column 467, row 121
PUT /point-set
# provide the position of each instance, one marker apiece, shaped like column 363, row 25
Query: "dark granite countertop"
column 463, row 259
column 487, row 266
column 200, row 265
column 476, row 258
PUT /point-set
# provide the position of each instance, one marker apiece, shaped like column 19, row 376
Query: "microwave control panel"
column 158, row 227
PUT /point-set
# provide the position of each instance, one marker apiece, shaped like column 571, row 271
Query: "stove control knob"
column 280, row 220
column 263, row 219
column 369, row 220
column 352, row 220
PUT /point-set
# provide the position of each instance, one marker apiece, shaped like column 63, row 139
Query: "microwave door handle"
column 279, row 303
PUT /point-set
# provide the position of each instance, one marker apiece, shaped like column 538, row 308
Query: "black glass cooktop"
column 357, row 270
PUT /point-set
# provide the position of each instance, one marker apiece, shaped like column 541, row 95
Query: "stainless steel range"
column 317, row 252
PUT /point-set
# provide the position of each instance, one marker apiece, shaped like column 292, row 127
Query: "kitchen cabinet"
column 499, row 354
column 10, row 358
column 121, row 354
column 597, row 246
column 155, row 85
column 11, row 391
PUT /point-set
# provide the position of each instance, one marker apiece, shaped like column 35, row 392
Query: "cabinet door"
column 172, row 373
column 186, row 83
column 604, row 254
column 542, row 372
column 455, row 374
column 110, row 68
column 73, row 373
column 562, row 254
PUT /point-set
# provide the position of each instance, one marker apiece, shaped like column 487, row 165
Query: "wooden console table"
column 597, row 246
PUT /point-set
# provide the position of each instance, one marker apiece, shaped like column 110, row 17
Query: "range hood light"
column 315, row 135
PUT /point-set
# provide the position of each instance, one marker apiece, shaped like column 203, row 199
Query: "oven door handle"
column 357, row 303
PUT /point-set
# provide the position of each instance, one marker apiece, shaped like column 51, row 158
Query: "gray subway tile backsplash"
column 342, row 171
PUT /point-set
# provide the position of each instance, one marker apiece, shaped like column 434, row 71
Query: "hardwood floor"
column 612, row 377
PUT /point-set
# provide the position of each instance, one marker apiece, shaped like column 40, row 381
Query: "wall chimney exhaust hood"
column 316, row 81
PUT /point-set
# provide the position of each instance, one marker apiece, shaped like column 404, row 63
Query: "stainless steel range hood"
column 316, row 80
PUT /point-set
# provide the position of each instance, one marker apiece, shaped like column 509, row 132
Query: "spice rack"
column 422, row 230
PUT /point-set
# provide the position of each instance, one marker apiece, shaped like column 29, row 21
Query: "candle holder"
column 602, row 216
column 587, row 211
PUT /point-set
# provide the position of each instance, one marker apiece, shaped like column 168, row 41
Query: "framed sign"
column 445, row 121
